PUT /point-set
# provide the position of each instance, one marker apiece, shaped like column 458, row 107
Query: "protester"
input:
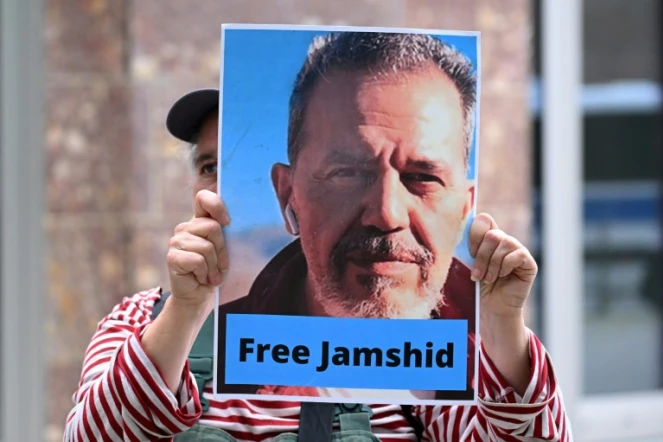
column 138, row 381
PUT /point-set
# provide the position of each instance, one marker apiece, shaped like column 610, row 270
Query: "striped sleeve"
column 502, row 415
column 121, row 395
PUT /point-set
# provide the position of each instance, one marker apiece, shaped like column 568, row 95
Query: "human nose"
column 387, row 204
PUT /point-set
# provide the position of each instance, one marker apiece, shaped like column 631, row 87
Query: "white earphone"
column 291, row 220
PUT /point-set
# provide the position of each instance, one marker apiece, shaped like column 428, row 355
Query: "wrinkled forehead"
column 417, row 110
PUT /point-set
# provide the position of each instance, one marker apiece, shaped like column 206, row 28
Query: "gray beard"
column 380, row 301
column 383, row 296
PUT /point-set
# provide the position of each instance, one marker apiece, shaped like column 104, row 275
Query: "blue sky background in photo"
column 259, row 68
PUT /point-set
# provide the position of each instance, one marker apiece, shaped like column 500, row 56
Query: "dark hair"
column 381, row 52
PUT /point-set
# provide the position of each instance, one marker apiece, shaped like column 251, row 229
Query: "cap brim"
column 188, row 113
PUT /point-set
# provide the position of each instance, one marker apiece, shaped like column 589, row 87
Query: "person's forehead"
column 415, row 108
column 354, row 98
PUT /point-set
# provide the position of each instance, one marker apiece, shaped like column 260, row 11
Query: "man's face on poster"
column 380, row 191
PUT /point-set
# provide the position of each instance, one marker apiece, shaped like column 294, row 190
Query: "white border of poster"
column 355, row 398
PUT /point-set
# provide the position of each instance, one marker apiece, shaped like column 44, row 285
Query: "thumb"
column 208, row 205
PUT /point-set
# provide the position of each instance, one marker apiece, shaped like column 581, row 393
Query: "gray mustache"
column 376, row 246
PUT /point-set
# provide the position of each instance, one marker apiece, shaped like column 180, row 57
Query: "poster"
column 348, row 161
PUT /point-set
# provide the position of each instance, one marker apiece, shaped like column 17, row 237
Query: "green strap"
column 355, row 417
column 355, row 421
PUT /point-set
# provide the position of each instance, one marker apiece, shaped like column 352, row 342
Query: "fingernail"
column 217, row 280
column 475, row 275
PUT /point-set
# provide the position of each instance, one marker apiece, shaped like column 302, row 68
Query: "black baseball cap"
column 188, row 112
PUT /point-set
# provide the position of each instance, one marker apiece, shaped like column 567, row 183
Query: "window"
column 620, row 374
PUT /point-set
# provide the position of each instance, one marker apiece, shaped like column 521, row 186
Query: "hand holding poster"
column 348, row 160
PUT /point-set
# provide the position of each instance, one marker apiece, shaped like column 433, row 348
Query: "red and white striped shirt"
column 123, row 397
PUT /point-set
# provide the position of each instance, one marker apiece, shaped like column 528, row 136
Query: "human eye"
column 346, row 172
column 423, row 178
column 423, row 183
column 208, row 168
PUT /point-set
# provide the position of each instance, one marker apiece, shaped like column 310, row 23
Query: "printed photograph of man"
column 375, row 191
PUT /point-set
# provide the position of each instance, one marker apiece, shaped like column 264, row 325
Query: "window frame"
column 21, row 221
column 605, row 417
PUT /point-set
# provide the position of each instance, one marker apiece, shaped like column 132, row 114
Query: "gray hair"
column 385, row 53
